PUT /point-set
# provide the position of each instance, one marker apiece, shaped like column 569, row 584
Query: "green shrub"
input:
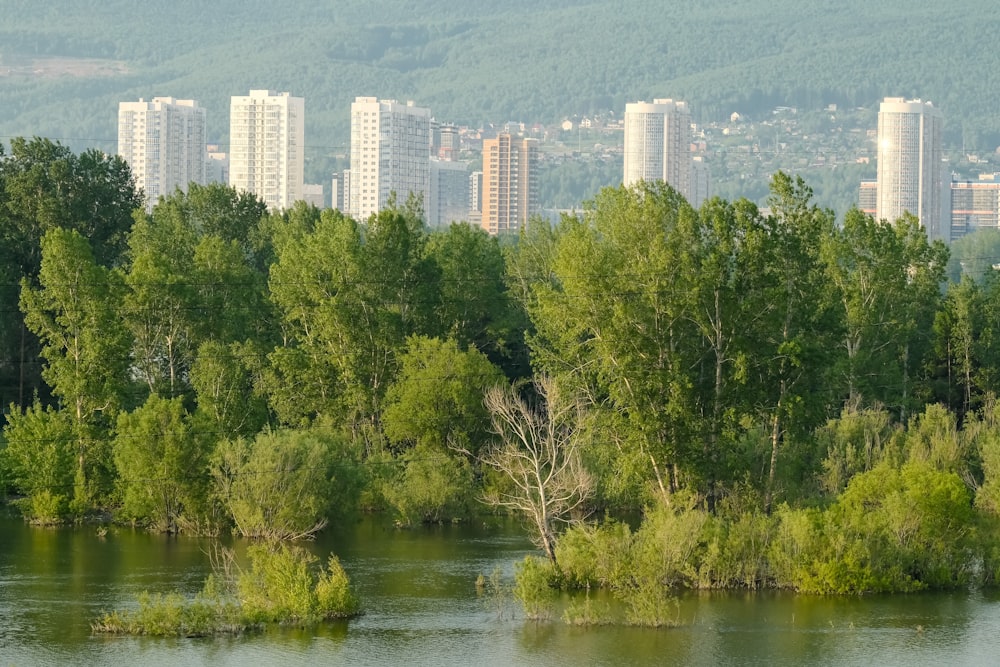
column 431, row 487
column 40, row 462
column 278, row 485
column 649, row 604
column 284, row 584
column 670, row 544
column 587, row 612
column 533, row 587
column 594, row 556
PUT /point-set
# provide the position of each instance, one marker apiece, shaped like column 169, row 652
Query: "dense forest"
column 477, row 64
column 792, row 402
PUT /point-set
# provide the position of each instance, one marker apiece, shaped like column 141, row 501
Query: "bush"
column 277, row 486
column 161, row 461
column 431, row 487
column 595, row 556
column 40, row 461
column 533, row 587
column 283, row 585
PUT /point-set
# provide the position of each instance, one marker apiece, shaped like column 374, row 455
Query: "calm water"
column 421, row 609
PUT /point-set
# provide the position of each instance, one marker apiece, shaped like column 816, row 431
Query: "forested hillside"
column 478, row 62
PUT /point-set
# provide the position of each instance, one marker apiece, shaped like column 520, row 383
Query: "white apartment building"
column 266, row 146
column 163, row 142
column 910, row 174
column 390, row 152
column 658, row 144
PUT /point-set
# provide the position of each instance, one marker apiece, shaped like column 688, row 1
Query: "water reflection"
column 421, row 607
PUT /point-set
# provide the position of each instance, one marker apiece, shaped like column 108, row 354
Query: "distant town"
column 499, row 176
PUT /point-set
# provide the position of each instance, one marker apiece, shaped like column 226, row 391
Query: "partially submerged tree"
column 538, row 452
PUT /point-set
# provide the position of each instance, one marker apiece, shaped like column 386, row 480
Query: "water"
column 417, row 587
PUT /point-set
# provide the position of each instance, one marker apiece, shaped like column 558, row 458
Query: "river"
column 421, row 608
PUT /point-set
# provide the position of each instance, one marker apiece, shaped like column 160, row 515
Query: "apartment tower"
column 510, row 183
column 658, row 144
column 266, row 145
column 910, row 176
column 163, row 142
column 390, row 153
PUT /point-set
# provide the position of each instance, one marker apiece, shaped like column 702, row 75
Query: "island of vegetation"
column 791, row 403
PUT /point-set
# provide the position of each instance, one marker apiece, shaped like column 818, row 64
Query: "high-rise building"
column 312, row 194
column 216, row 165
column 163, row 142
column 910, row 176
column 266, row 145
column 975, row 205
column 476, row 198
column 868, row 196
column 390, row 153
column 510, row 183
column 701, row 181
column 658, row 144
column 444, row 141
column 449, row 193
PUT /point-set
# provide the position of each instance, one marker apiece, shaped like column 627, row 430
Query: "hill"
column 63, row 70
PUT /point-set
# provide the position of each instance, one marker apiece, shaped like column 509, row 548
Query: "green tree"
column 793, row 340
column 161, row 456
column 40, row 461
column 887, row 277
column 614, row 322
column 475, row 306
column 436, row 402
column 161, row 305
column 226, row 380
column 44, row 186
column 74, row 314
column 349, row 297
column 278, row 485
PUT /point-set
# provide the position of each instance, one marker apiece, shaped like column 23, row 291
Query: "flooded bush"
column 534, row 587
column 283, row 585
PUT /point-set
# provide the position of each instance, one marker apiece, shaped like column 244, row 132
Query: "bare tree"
column 538, row 451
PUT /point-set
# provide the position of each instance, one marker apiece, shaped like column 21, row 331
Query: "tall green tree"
column 796, row 334
column 436, row 401
column 615, row 324
column 349, row 296
column 161, row 305
column 43, row 186
column 475, row 306
column 84, row 344
column 888, row 278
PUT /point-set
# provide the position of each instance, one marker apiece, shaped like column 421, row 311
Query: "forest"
column 788, row 402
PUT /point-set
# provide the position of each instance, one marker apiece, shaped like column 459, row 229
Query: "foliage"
column 533, row 587
column 893, row 529
column 855, row 442
column 162, row 462
column 436, row 402
column 283, row 584
column 278, row 485
column 349, row 296
column 431, row 486
column 40, row 461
